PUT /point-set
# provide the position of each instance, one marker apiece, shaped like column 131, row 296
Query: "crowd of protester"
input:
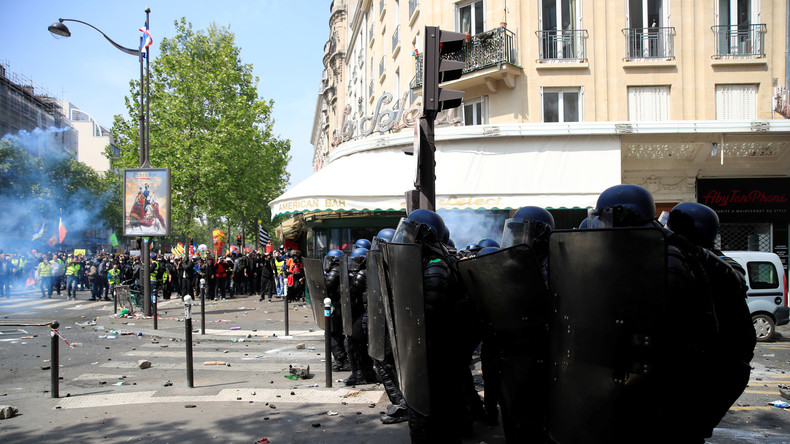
column 271, row 273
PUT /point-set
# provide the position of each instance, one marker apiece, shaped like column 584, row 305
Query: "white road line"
column 315, row 395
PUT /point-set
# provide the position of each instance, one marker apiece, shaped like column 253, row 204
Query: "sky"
column 283, row 40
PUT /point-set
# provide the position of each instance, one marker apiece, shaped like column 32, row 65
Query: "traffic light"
column 437, row 70
column 238, row 240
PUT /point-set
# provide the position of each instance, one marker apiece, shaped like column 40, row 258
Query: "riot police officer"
column 732, row 348
column 442, row 419
column 361, row 364
column 332, row 278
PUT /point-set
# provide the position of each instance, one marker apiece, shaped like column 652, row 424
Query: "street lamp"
column 59, row 29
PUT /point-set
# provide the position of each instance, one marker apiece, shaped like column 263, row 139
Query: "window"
column 560, row 35
column 562, row 105
column 762, row 275
column 736, row 102
column 648, row 103
column 470, row 17
column 648, row 32
column 475, row 111
column 738, row 30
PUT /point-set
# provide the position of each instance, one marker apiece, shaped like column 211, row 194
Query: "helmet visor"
column 517, row 232
column 331, row 260
column 356, row 263
column 407, row 232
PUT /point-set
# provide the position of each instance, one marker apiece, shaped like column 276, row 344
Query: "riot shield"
column 609, row 293
column 403, row 263
column 508, row 290
column 377, row 327
column 345, row 297
column 316, row 285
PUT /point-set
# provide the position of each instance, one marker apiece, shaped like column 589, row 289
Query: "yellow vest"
column 45, row 269
column 73, row 270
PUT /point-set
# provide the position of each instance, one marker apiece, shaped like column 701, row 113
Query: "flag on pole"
column 53, row 240
column 40, row 232
column 263, row 236
column 147, row 40
column 113, row 239
column 61, row 230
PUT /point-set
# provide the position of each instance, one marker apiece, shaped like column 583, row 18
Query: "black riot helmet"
column 332, row 257
column 487, row 242
column 384, row 235
column 421, row 225
column 527, row 225
column 357, row 259
column 623, row 206
column 696, row 222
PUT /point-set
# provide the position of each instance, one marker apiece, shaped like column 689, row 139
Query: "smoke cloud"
column 37, row 188
column 469, row 226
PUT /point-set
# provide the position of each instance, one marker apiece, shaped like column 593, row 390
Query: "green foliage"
column 209, row 126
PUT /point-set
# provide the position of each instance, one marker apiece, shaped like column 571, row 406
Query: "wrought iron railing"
column 481, row 51
column 739, row 40
column 562, row 45
column 650, row 43
column 395, row 38
column 413, row 4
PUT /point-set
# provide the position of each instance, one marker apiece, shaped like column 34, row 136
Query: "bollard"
column 55, row 361
column 153, row 303
column 285, row 301
column 114, row 299
column 188, row 326
column 328, row 340
column 202, row 307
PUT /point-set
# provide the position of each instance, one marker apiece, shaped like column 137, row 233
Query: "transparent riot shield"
column 609, row 292
column 377, row 325
column 345, row 297
column 403, row 263
column 316, row 285
column 508, row 290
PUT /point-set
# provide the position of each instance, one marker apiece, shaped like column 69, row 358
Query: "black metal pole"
column 328, row 340
column 285, row 301
column 188, row 338
column 154, row 303
column 203, row 313
column 55, row 361
column 114, row 299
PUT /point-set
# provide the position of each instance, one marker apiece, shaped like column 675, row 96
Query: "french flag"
column 147, row 41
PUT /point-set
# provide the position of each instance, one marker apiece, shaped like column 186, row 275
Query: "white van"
column 767, row 293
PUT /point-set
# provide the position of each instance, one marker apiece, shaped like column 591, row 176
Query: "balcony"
column 649, row 43
column 413, row 4
column 395, row 39
column 484, row 55
column 562, row 46
column 739, row 40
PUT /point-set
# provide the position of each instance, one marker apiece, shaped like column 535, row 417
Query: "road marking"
column 300, row 396
column 198, row 365
column 219, row 356
column 754, row 407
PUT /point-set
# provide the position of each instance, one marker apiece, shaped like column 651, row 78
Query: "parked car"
column 767, row 292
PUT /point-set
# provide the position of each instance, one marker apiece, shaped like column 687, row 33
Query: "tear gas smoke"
column 467, row 226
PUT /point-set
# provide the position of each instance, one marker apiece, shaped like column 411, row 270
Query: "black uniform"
column 332, row 279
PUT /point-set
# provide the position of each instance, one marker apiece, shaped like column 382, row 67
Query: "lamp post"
column 59, row 29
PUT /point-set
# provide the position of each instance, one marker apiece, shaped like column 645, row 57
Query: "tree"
column 209, row 126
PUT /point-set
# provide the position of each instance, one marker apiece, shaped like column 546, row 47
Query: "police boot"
column 356, row 378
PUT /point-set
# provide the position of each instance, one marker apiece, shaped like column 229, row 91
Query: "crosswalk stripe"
column 314, row 395
column 198, row 365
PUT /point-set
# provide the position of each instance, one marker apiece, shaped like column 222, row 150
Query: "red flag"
column 61, row 230
column 53, row 240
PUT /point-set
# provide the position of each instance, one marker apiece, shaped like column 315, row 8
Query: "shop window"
column 744, row 237
column 562, row 105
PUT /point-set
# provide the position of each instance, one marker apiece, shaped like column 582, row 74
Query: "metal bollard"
column 153, row 304
column 202, row 306
column 328, row 340
column 188, row 326
column 55, row 360
column 285, row 301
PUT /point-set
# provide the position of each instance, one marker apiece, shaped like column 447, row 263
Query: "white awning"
column 550, row 172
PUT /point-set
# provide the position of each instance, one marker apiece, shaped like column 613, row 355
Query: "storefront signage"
column 385, row 120
column 744, row 200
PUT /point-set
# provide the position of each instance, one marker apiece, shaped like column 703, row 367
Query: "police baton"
column 188, row 326
column 328, row 340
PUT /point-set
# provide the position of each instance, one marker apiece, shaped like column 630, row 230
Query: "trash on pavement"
column 214, row 363
column 144, row 364
column 7, row 411
column 780, row 404
column 331, row 413
column 292, row 377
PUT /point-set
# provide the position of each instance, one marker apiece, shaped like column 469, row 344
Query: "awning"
column 550, row 172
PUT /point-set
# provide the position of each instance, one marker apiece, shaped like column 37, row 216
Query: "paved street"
column 104, row 396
